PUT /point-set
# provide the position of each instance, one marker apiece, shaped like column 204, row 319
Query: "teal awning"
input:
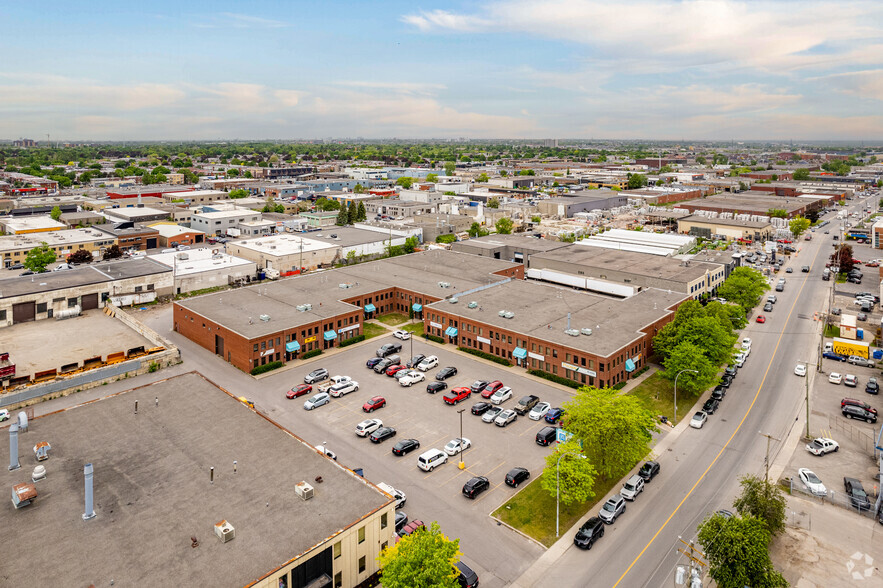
column 329, row 335
column 519, row 353
column 292, row 346
column 451, row 332
column 416, row 307
column 370, row 308
column 629, row 365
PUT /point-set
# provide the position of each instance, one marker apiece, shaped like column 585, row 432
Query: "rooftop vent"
column 225, row 531
column 265, row 317
column 509, row 314
column 344, row 286
column 586, row 331
column 472, row 304
column 454, row 300
column 572, row 332
column 444, row 284
column 304, row 490
column 501, row 313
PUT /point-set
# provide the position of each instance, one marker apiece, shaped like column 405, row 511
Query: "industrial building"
column 757, row 203
column 515, row 248
column 135, row 214
column 641, row 242
column 21, row 225
column 198, row 269
column 728, row 228
column 172, row 235
column 178, row 483
column 14, row 248
column 586, row 201
column 213, row 221
column 661, row 195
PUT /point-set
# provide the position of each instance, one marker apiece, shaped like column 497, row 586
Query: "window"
column 278, row 341
column 2, row 315
column 383, row 520
column 71, row 302
column 361, row 534
column 361, row 564
column 384, row 545
column 337, row 550
column 263, row 345
column 41, row 307
column 338, row 580
column 255, row 348
column 138, row 288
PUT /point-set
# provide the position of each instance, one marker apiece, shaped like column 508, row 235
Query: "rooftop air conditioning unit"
column 301, row 307
column 225, row 531
column 509, row 314
column 265, row 317
column 454, row 300
column 572, row 332
column 304, row 490
column 183, row 256
column 308, row 306
column 473, row 304
column 586, row 331
column 501, row 313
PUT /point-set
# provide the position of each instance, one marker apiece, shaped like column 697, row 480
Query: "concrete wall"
column 213, row 278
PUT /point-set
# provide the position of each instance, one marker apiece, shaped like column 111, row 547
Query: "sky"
column 263, row 69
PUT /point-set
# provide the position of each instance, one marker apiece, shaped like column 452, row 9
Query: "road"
column 700, row 468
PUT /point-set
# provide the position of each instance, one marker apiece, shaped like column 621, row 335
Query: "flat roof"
column 152, row 492
column 194, row 261
column 491, row 242
column 52, row 238
column 222, row 214
column 283, row 244
column 730, row 222
column 538, row 306
column 134, row 211
column 96, row 273
column 750, row 201
column 31, row 223
column 171, row 230
column 651, row 266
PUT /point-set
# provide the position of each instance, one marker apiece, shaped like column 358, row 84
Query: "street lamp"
column 462, row 464
column 675, row 417
column 806, row 376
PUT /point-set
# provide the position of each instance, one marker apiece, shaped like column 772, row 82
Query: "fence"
column 837, row 498
column 863, row 439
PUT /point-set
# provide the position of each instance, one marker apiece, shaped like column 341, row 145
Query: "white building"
column 197, row 269
column 220, row 221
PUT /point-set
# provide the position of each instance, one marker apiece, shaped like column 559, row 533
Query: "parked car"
column 479, row 408
column 411, row 377
column 546, row 436
column 405, row 446
column 374, row 403
column 415, row 361
column 479, row 386
column 316, row 376
column 434, row 387
column 475, row 486
column 368, row 426
column 380, row 366
column 832, row 355
column 872, row 387
column 857, row 412
column 516, row 476
column 611, row 510
column 394, row 369
column 761, row 318
column 731, row 371
column 457, row 445
column 501, row 395
column 491, row 414
column 489, row 389
column 800, row 369
column 400, row 334
column 526, row 404
column 771, row 298
column 835, row 378
column 589, row 533
column 710, row 406
column 860, row 361
column 445, row 373
column 698, row 420
column 812, row 482
column 554, row 415
column 372, row 362
column 412, row 527
column 632, row 487
column 822, row 445
column 431, row 459
column 768, row 307
column 401, row 520
column 856, row 492
column 467, row 578
column 457, row 395
column 718, row 393
column 389, row 349
column 859, row 403
column 298, row 391
column 427, row 363
column 850, row 380
column 316, row 401
column 505, row 417
column 343, row 388
column 649, row 470
column 539, row 411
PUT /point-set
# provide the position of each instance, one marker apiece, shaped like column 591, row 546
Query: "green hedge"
column 312, row 353
column 640, row 371
column 352, row 340
column 433, row 338
column 554, row 378
column 486, row 356
column 273, row 365
column 618, row 386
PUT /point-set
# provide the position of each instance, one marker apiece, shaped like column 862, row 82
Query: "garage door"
column 90, row 301
column 24, row 312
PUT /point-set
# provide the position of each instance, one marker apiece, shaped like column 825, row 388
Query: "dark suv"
column 591, row 531
column 649, row 470
column 547, row 436
column 856, row 492
column 467, row 576
column 854, row 402
column 851, row 411
column 389, row 349
column 525, row 404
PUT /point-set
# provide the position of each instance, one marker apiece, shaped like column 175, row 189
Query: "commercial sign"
column 310, row 339
column 536, row 357
column 576, row 368
column 436, row 325
column 268, row 352
column 483, row 340
column 348, row 329
column 846, row 347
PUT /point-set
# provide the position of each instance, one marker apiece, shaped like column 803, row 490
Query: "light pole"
column 462, row 464
column 806, row 375
column 675, row 417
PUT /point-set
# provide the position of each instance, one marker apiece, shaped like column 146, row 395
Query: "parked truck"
column 7, row 368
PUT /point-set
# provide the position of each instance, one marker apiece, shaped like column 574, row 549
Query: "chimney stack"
column 13, row 447
column 90, row 511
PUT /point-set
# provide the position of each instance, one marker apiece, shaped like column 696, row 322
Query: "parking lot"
column 414, row 413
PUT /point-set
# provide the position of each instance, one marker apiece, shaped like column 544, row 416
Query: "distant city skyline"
column 707, row 69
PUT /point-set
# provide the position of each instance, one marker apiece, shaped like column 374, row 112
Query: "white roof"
column 198, row 260
column 221, row 214
column 592, row 242
column 167, row 230
column 31, row 223
column 130, row 211
column 283, row 244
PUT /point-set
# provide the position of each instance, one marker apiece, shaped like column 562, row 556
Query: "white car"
column 501, row 395
column 403, row 335
column 698, row 420
column 800, row 369
column 427, row 363
column 745, row 351
column 4, row 415
column 812, row 482
column 412, row 377
column 746, row 343
column 318, row 400
column 457, row 445
column 739, row 359
column 368, row 426
column 835, row 378
column 343, row 388
column 539, row 411
column 822, row 445
column 505, row 417
column 491, row 414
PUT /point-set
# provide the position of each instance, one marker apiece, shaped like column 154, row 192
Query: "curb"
column 511, row 528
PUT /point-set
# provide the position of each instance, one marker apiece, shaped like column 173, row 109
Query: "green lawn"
column 392, row 319
column 532, row 511
column 372, row 330
column 832, row 331
column 415, row 329
column 655, row 386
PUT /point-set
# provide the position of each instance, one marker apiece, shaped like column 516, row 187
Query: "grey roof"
column 592, row 261
column 730, row 222
column 347, row 236
column 529, row 243
column 96, row 273
column 537, row 306
column 152, row 493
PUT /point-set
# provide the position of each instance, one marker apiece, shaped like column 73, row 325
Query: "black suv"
column 710, row 405
column 389, row 349
column 857, row 496
column 718, row 393
column 415, row 360
column 467, row 576
column 649, row 470
column 851, row 411
column 475, row 486
column 591, row 531
column 547, row 436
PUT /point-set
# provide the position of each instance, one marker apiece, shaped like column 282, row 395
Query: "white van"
column 431, row 459
column 397, row 494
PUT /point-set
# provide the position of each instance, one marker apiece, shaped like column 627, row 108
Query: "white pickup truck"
column 333, row 380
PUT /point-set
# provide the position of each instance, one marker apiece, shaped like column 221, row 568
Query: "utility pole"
column 696, row 563
column 462, row 464
column 766, row 461
column 806, row 377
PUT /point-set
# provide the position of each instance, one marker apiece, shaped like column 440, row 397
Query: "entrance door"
column 89, row 301
column 24, row 312
column 219, row 345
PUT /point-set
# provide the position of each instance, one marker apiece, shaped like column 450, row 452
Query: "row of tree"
column 348, row 215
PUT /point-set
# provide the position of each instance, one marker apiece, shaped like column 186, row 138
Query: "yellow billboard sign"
column 310, row 339
column 845, row 347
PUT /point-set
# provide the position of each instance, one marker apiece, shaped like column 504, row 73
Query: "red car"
column 456, row 395
column 394, row 369
column 872, row 264
column 788, row 241
column 299, row 390
column 374, row 404
column 491, row 388
column 761, row 318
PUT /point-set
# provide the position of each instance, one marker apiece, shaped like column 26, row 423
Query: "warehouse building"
column 198, row 269
column 727, row 228
column 21, row 225
column 135, row 214
column 756, row 203
column 515, row 248
column 172, row 235
column 171, row 502
column 217, row 222
column 587, row 201
column 640, row 241
column 14, row 248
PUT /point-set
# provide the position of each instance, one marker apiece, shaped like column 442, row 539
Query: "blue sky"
column 656, row 69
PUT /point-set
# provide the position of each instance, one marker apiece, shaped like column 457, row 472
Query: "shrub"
column 641, row 371
column 352, row 340
column 484, row 355
column 152, row 367
column 312, row 353
column 266, row 367
column 618, row 386
column 554, row 378
column 433, row 338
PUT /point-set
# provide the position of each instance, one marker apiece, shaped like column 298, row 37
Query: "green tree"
column 666, row 169
column 352, row 213
column 238, row 193
column 615, row 430
column 342, row 216
column 842, row 257
column 56, row 213
column 39, row 257
column 482, row 178
column 744, row 287
column 801, row 174
column 475, row 230
column 777, row 213
column 536, row 219
column 350, row 256
column 798, row 226
column 112, row 252
column 493, row 203
column 326, row 205
column 569, row 474
column 637, row 181
column 80, row 256
column 701, row 160
column 673, row 333
column 567, row 238
column 730, row 315
column 504, row 225
column 359, row 189
column 450, row 166
column 361, row 214
column 738, row 552
column 503, row 173
column 764, row 500
column 446, row 239
column 425, row 558
column 405, row 182
column 687, row 356
column 233, row 172
column 432, row 178
column 410, row 244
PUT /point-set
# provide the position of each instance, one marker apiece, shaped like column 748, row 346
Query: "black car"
column 382, row 434
column 445, row 373
column 857, row 496
column 832, row 355
column 467, row 578
column 768, row 307
column 372, row 362
column 726, row 381
column 434, row 387
column 479, row 408
column 475, row 486
column 591, row 531
column 405, row 446
column 857, row 412
column 516, row 476
column 854, row 279
column 547, row 436
column 710, row 406
column 718, row 393
column 872, row 387
column 389, row 349
column 649, row 470
column 16, row 266
column 401, row 520
column 731, row 371
column 415, row 360
column 478, row 386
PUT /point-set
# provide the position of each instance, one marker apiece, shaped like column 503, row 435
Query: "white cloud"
column 239, row 21
column 865, row 83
